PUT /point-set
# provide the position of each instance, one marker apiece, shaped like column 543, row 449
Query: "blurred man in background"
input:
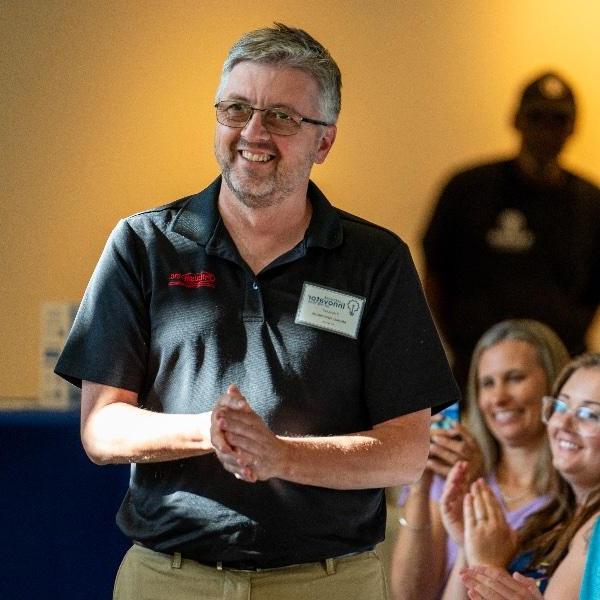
column 518, row 238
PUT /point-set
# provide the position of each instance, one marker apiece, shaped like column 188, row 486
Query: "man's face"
column 261, row 168
column 544, row 131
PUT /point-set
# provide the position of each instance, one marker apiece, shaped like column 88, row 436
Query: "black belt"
column 243, row 565
column 246, row 565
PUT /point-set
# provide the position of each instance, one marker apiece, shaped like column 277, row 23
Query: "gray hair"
column 552, row 356
column 290, row 47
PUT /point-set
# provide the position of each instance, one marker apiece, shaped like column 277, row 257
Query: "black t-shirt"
column 504, row 248
column 173, row 313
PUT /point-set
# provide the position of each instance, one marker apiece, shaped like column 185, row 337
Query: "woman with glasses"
column 554, row 542
column 501, row 438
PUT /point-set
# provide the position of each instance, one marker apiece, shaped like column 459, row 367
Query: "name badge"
column 329, row 309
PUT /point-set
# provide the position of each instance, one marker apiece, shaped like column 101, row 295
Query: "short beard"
column 263, row 193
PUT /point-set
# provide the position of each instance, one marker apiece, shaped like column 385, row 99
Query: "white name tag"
column 330, row 309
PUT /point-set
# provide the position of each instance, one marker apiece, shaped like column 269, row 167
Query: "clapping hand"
column 451, row 502
column 493, row 583
column 488, row 538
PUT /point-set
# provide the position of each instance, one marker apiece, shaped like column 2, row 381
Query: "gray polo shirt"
column 333, row 337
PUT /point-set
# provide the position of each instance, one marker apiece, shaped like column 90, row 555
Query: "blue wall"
column 58, row 534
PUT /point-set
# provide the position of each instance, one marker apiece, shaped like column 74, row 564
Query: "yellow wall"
column 106, row 110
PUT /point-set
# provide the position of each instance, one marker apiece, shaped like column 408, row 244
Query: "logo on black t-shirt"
column 511, row 233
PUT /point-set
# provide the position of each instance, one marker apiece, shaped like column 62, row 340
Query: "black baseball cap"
column 548, row 92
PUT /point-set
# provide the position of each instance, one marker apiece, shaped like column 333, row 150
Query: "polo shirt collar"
column 199, row 219
column 325, row 228
column 199, row 216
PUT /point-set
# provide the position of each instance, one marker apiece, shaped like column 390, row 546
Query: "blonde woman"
column 501, row 438
column 553, row 544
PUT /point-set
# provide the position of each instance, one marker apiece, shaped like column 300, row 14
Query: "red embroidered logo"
column 193, row 280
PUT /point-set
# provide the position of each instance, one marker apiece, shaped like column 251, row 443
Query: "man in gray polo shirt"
column 266, row 362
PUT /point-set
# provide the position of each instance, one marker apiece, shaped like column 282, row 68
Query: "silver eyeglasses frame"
column 587, row 427
column 295, row 118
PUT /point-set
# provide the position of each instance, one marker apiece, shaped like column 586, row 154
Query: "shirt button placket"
column 253, row 309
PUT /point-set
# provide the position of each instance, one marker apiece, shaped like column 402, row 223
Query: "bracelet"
column 404, row 523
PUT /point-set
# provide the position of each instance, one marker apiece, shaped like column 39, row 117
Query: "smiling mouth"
column 253, row 157
column 504, row 416
column 566, row 444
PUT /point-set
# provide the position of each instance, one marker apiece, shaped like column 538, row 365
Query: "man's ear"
column 325, row 143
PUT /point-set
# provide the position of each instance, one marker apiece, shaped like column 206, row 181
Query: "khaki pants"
column 148, row 575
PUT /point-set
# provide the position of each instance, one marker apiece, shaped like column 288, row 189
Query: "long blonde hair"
column 552, row 356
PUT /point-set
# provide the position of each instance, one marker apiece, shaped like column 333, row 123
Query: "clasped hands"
column 243, row 443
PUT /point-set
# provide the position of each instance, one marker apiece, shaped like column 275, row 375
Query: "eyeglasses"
column 279, row 121
column 587, row 418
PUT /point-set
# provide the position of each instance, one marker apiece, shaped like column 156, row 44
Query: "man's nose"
column 255, row 129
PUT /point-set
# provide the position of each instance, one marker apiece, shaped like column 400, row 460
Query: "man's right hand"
column 243, row 442
column 232, row 400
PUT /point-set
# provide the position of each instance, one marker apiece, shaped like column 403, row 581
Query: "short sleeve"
column 405, row 367
column 108, row 342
